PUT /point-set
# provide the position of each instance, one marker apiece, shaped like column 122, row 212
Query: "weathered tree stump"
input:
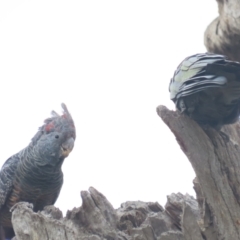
column 97, row 219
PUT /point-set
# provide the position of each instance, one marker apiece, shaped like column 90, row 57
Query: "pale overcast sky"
column 111, row 63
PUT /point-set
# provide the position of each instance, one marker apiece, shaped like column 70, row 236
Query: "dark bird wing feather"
column 6, row 178
column 206, row 87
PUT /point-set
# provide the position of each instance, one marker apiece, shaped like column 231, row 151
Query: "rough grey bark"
column 223, row 34
column 97, row 219
column 216, row 161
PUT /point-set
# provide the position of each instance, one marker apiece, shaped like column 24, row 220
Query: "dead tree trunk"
column 216, row 161
column 223, row 34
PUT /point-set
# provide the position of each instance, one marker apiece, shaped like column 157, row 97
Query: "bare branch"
column 223, row 34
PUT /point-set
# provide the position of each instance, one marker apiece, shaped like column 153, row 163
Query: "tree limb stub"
column 216, row 162
column 223, row 34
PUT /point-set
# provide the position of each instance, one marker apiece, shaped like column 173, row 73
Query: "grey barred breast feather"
column 206, row 87
column 34, row 174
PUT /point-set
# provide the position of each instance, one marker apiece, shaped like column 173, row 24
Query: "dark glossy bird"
column 206, row 87
column 34, row 174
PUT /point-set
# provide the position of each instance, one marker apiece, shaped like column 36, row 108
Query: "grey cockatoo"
column 34, row 174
